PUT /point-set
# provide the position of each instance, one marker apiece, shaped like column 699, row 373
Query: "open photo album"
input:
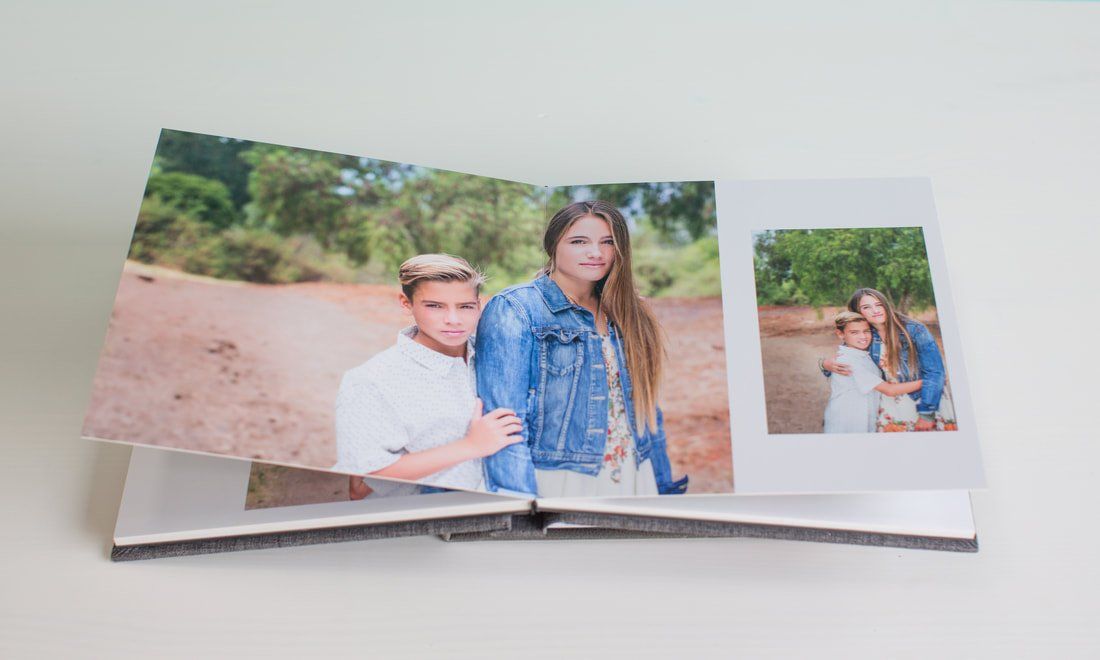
column 179, row 504
column 384, row 344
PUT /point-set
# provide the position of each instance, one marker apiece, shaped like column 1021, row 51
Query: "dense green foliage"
column 307, row 215
column 201, row 198
column 681, row 212
column 689, row 270
column 165, row 236
column 371, row 210
column 208, row 156
column 824, row 266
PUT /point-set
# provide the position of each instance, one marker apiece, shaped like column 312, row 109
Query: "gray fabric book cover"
column 441, row 527
column 177, row 504
column 538, row 526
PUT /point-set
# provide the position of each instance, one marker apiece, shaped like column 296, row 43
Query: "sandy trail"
column 239, row 369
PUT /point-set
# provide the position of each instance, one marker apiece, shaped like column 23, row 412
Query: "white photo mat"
column 803, row 463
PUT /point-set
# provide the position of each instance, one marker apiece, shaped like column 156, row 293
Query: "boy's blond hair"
column 437, row 268
column 842, row 319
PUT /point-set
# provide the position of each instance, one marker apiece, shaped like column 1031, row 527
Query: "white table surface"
column 998, row 102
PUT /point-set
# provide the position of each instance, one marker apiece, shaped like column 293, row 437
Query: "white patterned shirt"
column 853, row 400
column 407, row 398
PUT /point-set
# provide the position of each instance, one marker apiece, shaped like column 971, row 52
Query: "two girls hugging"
column 887, row 375
column 550, row 391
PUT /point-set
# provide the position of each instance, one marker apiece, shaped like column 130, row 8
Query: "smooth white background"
column 998, row 102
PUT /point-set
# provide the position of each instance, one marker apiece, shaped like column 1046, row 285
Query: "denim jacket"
column 929, row 363
column 539, row 355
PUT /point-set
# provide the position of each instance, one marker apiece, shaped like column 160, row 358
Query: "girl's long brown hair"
column 894, row 331
column 642, row 337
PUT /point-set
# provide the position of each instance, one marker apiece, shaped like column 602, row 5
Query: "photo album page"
column 360, row 328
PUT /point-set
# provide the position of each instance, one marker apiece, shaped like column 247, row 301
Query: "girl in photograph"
column 906, row 351
column 411, row 412
column 578, row 355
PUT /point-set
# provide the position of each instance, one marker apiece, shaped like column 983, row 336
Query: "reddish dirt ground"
column 252, row 371
column 792, row 339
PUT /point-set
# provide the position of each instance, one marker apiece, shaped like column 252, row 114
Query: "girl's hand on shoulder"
column 489, row 433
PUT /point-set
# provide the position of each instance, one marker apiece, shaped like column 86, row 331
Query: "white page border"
column 806, row 463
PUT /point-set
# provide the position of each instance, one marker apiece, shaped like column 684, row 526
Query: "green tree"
column 489, row 222
column 298, row 191
column 163, row 232
column 824, row 266
column 208, row 156
column 201, row 198
column 371, row 209
column 331, row 197
column 318, row 215
column 682, row 211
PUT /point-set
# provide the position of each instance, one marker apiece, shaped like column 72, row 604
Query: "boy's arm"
column 369, row 431
column 487, row 435
column 898, row 389
column 420, row 464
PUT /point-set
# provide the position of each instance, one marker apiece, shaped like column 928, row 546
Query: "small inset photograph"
column 849, row 332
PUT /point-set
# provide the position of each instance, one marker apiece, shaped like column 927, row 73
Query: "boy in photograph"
column 411, row 412
column 854, row 399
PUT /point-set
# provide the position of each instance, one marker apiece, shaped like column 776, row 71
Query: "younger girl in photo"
column 411, row 412
column 854, row 399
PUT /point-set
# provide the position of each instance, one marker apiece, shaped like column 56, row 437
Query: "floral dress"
column 620, row 473
column 899, row 413
column 619, row 450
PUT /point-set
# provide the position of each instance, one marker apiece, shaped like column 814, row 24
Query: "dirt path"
column 695, row 397
column 252, row 370
column 794, row 389
column 239, row 369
